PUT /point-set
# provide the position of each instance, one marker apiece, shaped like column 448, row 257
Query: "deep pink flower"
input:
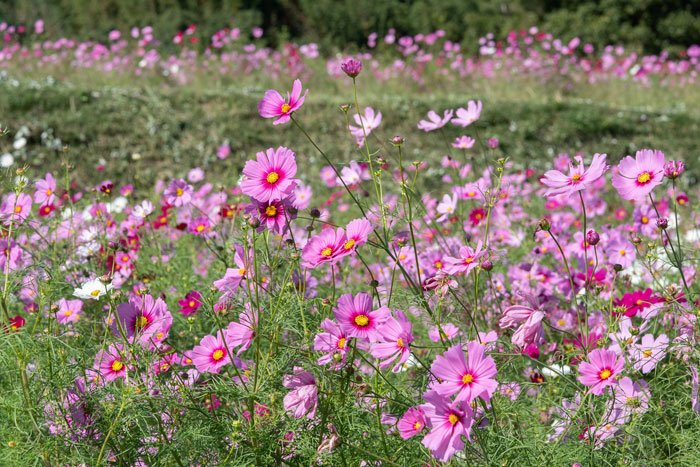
column 271, row 177
column 109, row 364
column 190, row 304
column 674, row 169
column 324, row 248
column 467, row 259
column 449, row 421
column 602, row 370
column 199, row 226
column 638, row 301
column 178, row 193
column 577, row 179
column 394, row 338
column 412, row 423
column 466, row 117
column 273, row 214
column 356, row 317
column 274, row 106
column 144, row 320
column 468, row 378
column 304, row 397
column 15, row 208
column 352, row 68
column 211, row 354
column 636, row 177
column 435, row 122
column 334, row 343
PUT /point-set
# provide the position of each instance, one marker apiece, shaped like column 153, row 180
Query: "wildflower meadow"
column 327, row 274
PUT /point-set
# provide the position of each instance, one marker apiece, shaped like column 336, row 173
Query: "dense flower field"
column 352, row 314
column 422, row 58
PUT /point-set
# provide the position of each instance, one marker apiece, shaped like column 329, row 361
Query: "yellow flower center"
column 67, row 313
column 468, row 260
column 417, row 426
column 647, row 353
column 191, row 303
column 576, row 177
column 644, row 177
column 285, row 108
column 95, row 292
column 349, row 244
column 399, row 342
column 438, row 264
column 341, row 343
column 638, row 302
column 218, row 355
column 645, row 220
column 117, row 365
column 141, row 322
column 271, row 211
column 272, row 178
column 467, row 379
column 241, row 271
column 622, row 252
column 605, row 374
column 18, row 209
column 453, row 419
column 179, row 192
column 361, row 320
column 48, row 192
column 200, row 227
column 327, row 251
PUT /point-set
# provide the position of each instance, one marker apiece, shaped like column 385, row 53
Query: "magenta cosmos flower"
column 178, row 193
column 600, row 373
column 273, row 214
column 211, row 354
column 191, row 303
column 434, row 121
column 303, row 398
column 394, row 340
column 324, row 248
column 578, row 178
column 271, row 177
column 468, row 378
column 144, row 320
column 45, row 190
column 466, row 261
column 412, row 423
column 356, row 317
column 635, row 178
column 274, row 106
column 449, row 421
column 69, row 311
column 334, row 344
column 109, row 364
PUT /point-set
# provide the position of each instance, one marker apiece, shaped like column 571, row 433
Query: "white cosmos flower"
column 92, row 290
column 143, row 210
column 6, row 160
column 555, row 370
column 19, row 143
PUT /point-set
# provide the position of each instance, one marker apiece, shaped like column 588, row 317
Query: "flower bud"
column 617, row 267
column 673, row 169
column 634, row 330
column 254, row 222
column 315, row 213
column 592, row 237
column 374, row 283
column 345, row 107
column 544, row 224
column 397, row 140
column 635, row 239
column 486, row 265
column 662, row 223
column 352, row 68
column 401, row 238
column 493, row 143
column 292, row 211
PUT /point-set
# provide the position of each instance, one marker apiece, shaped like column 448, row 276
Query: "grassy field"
column 143, row 132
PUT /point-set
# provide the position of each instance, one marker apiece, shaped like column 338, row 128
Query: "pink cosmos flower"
column 324, row 248
column 466, row 117
column 178, row 193
column 273, row 105
column 649, row 352
column 334, row 342
column 69, row 311
column 234, row 276
column 304, row 397
column 10, row 256
column 302, row 196
column 463, row 142
column 412, row 423
column 371, row 120
column 109, row 364
column 223, row 151
column 529, row 317
column 190, row 304
column 394, row 338
column 450, row 332
column 242, row 333
column 435, row 122
column 600, row 373
column 199, row 226
column 449, row 421
column 16, row 208
column 632, row 397
column 638, row 301
column 144, row 320
column 273, row 214
column 271, row 177
column 447, row 207
column 468, row 378
column 578, row 179
column 467, row 259
column 210, row 355
column 357, row 232
column 636, row 177
column 45, row 190
column 356, row 317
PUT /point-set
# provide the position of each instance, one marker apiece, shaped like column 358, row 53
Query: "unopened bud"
column 635, row 239
column 543, row 224
column 493, row 143
column 486, row 265
column 634, row 330
column 617, row 267
column 592, row 237
column 292, row 211
column 397, row 140
column 254, row 222
column 662, row 223
column 401, row 238
column 315, row 213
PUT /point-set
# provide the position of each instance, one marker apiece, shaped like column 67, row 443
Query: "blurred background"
column 648, row 25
